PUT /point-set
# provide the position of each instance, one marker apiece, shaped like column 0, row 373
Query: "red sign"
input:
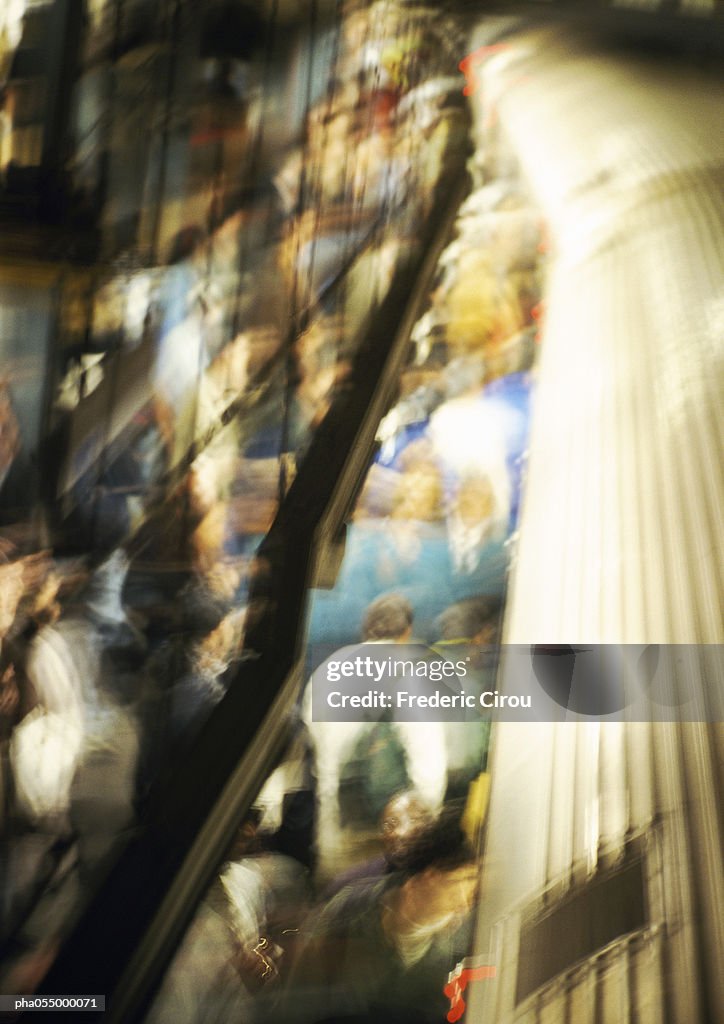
column 458, row 980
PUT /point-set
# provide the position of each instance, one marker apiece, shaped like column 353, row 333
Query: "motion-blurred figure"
column 377, row 746
column 405, row 816
column 382, row 953
column 471, row 520
column 234, row 949
column 72, row 754
column 470, row 629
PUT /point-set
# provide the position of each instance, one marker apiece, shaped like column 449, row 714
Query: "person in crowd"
column 388, row 620
column 405, row 815
column 469, row 629
column 474, row 623
column 382, row 953
column 204, row 684
column 69, row 750
column 16, row 701
column 73, row 757
column 181, row 352
column 419, row 495
column 471, row 521
column 321, row 365
column 465, row 415
column 388, row 753
column 400, row 549
column 234, row 948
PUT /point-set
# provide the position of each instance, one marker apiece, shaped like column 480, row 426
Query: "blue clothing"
column 374, row 565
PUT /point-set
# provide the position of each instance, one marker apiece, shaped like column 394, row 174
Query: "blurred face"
column 443, row 894
column 460, row 887
column 403, row 819
column 419, row 495
column 475, row 500
column 437, row 895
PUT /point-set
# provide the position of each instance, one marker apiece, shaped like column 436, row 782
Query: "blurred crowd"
column 395, row 810
column 144, row 449
column 441, row 502
column 374, row 948
column 349, row 891
column 204, row 287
